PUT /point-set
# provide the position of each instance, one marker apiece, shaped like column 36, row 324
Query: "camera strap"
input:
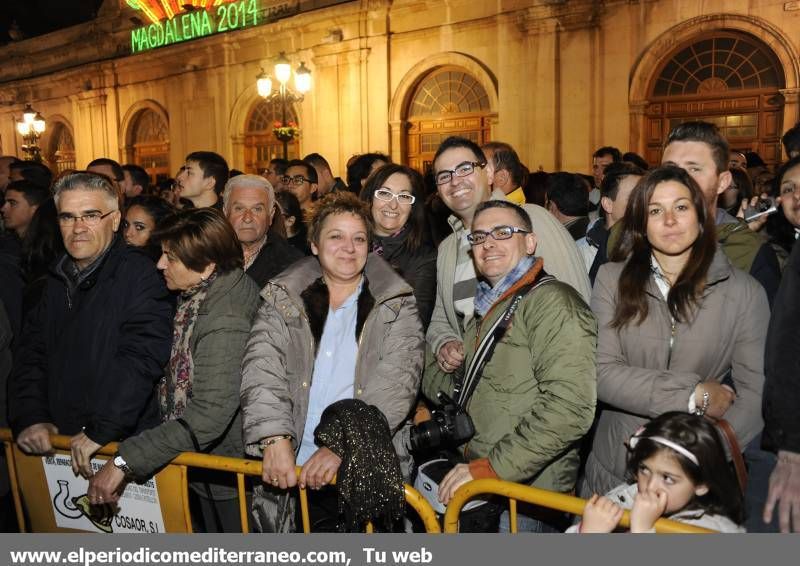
column 465, row 387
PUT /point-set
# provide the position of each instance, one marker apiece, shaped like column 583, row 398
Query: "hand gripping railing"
column 239, row 466
column 549, row 499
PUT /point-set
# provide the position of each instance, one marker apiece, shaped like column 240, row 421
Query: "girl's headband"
column 664, row 442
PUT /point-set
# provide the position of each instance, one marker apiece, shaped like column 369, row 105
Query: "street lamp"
column 285, row 131
column 31, row 128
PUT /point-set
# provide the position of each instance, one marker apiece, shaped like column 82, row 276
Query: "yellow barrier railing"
column 552, row 500
column 241, row 467
column 238, row 466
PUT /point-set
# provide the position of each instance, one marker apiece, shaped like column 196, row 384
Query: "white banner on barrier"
column 139, row 510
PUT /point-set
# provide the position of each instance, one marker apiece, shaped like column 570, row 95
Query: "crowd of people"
column 628, row 335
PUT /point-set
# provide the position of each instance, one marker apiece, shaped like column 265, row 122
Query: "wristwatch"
column 120, row 463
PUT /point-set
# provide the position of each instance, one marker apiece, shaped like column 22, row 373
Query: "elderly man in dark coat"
column 249, row 205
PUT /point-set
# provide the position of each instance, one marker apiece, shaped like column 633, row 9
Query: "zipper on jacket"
column 358, row 351
column 671, row 342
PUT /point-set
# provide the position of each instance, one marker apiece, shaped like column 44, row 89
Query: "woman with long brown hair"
column 680, row 329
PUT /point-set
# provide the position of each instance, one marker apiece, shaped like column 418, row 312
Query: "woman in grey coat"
column 680, row 329
column 338, row 325
column 199, row 393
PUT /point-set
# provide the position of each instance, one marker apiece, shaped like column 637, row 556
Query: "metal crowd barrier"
column 36, row 509
column 560, row 502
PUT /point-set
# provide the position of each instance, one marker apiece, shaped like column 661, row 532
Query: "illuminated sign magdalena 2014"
column 197, row 23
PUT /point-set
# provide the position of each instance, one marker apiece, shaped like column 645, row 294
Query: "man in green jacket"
column 535, row 396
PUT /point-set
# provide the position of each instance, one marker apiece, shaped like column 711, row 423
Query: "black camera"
column 450, row 425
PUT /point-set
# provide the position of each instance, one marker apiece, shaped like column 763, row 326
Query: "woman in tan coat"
column 338, row 325
column 680, row 329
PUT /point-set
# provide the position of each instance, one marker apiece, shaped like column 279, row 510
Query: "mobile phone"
column 764, row 207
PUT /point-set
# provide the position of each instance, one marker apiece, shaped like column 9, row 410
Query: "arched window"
column 728, row 78
column 61, row 149
column 149, row 138
column 260, row 143
column 447, row 102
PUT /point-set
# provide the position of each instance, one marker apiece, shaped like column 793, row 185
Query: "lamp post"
column 31, row 128
column 302, row 84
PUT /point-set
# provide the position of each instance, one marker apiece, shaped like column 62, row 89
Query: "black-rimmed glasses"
column 90, row 218
column 296, row 180
column 461, row 170
column 478, row 237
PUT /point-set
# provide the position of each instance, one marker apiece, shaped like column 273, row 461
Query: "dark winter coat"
column 276, row 255
column 782, row 386
column 418, row 268
column 90, row 359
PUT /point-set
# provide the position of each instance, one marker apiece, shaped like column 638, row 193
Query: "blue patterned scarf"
column 486, row 295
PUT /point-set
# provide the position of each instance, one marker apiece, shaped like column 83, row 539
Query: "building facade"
column 555, row 78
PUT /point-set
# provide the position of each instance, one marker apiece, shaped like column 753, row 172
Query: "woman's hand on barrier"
column 35, row 439
column 720, row 398
column 647, row 509
column 601, row 515
column 107, row 485
column 454, row 479
column 279, row 464
column 320, row 469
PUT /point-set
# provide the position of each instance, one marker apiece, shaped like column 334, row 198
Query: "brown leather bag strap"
column 736, row 451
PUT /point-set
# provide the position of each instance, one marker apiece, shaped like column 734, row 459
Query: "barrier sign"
column 137, row 511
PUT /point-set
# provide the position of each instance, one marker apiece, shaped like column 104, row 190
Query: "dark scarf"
column 316, row 299
column 379, row 243
column 369, row 480
column 68, row 270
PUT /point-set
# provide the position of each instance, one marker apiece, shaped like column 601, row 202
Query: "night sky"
column 37, row 17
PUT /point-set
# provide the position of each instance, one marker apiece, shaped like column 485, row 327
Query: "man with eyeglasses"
column 94, row 348
column 301, row 180
column 463, row 177
column 533, row 392
column 249, row 205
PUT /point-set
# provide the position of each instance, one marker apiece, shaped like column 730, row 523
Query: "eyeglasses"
column 461, row 170
column 296, row 180
column 90, row 219
column 478, row 237
column 387, row 195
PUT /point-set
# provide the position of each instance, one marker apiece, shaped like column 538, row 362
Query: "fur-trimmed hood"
column 306, row 288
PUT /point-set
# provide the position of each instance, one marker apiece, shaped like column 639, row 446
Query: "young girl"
column 681, row 472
